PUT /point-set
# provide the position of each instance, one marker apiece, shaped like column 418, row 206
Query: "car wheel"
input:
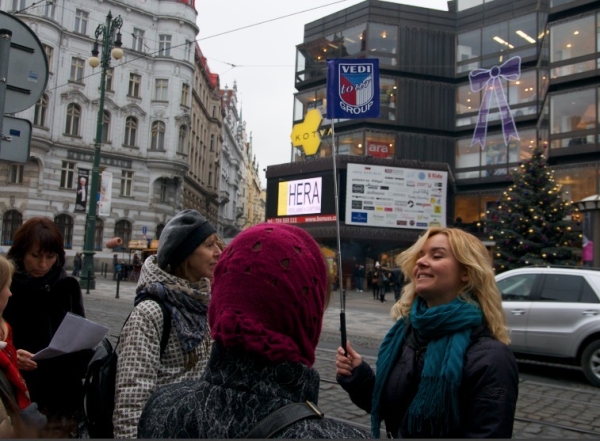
column 590, row 362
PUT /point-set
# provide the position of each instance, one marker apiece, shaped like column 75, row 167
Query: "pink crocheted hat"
column 268, row 294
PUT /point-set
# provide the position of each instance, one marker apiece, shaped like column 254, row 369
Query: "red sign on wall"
column 378, row 150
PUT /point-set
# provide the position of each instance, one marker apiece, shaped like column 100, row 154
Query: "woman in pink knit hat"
column 269, row 295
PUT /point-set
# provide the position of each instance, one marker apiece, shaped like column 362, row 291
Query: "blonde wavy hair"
column 7, row 269
column 481, row 287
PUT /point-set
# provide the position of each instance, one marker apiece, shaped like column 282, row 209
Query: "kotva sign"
column 353, row 88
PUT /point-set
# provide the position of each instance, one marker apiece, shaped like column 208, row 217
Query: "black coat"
column 35, row 311
column 487, row 395
column 235, row 392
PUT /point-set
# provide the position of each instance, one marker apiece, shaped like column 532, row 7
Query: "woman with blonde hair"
column 444, row 369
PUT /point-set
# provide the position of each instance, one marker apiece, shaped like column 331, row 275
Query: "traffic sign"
column 15, row 144
column 27, row 68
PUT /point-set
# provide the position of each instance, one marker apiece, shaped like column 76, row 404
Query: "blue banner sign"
column 353, row 88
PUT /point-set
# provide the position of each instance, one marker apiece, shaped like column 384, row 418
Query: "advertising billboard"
column 301, row 199
column 393, row 197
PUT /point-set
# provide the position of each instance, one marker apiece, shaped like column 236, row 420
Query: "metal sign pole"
column 5, row 38
column 339, row 247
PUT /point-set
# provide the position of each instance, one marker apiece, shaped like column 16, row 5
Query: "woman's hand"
column 346, row 363
column 24, row 360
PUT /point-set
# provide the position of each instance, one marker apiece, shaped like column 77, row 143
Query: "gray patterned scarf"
column 187, row 302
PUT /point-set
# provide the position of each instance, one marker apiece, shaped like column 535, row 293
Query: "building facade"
column 201, row 185
column 161, row 131
column 433, row 105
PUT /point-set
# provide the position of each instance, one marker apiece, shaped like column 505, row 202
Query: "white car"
column 554, row 312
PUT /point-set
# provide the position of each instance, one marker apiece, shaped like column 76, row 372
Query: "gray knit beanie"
column 181, row 236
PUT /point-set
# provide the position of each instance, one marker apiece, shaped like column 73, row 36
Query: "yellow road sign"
column 306, row 135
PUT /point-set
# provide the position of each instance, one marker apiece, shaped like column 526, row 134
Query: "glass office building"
column 430, row 109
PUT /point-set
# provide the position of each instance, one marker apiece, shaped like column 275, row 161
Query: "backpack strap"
column 282, row 418
column 164, row 339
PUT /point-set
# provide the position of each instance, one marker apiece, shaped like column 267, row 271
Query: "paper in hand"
column 75, row 333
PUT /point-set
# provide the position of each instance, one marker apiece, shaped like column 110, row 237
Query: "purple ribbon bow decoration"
column 490, row 79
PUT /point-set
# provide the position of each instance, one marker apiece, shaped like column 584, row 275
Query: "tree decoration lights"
column 542, row 232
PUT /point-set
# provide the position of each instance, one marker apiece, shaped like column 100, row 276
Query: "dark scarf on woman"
column 448, row 327
column 188, row 304
column 24, row 282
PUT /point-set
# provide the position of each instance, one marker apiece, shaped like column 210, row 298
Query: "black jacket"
column 35, row 311
column 487, row 396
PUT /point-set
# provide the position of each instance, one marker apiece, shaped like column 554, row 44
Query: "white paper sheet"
column 75, row 333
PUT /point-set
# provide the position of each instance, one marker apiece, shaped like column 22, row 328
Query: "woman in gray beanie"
column 178, row 279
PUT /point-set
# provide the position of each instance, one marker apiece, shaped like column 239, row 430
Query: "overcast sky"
column 254, row 43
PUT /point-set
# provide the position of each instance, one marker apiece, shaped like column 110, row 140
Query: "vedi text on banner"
column 353, row 88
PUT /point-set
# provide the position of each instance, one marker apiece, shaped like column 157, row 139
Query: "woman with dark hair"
column 43, row 294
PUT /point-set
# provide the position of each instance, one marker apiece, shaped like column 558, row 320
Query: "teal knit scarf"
column 435, row 406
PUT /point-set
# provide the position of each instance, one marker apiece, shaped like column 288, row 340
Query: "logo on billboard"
column 359, row 217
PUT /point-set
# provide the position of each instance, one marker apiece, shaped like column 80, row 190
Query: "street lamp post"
column 110, row 36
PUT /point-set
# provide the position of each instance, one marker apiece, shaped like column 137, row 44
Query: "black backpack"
column 100, row 378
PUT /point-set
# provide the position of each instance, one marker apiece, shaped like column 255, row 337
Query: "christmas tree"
column 532, row 224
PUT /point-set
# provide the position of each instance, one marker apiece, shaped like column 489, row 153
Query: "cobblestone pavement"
column 544, row 410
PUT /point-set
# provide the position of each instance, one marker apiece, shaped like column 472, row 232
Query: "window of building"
column 135, row 82
column 353, row 40
column 187, row 50
column 158, row 136
column 64, row 222
column 40, row 111
column 163, row 187
column 11, row 222
column 311, row 99
column 49, row 51
column 73, row 118
column 67, row 173
column 131, row 127
column 351, row 144
column 185, row 94
column 577, row 182
column 81, row 20
column 110, row 73
column 569, row 40
column 468, row 48
column 161, row 89
column 77, row 69
column 123, row 230
column 575, row 111
column 182, row 139
column 382, row 43
column 19, row 5
column 126, row 183
column 388, row 91
column 105, row 126
column 99, row 234
column 138, row 40
column 164, row 45
column 16, row 174
column 49, row 10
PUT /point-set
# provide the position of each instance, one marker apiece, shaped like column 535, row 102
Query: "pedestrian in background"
column 269, row 296
column 444, row 369
column 77, row 264
column 43, row 294
column 178, row 276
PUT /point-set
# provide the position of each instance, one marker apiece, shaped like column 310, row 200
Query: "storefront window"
column 353, row 42
column 573, row 111
column 311, row 60
column 382, row 43
column 471, row 208
column 380, row 144
column 469, row 46
column 577, row 183
column 351, row 144
column 495, row 39
column 467, row 156
column 570, row 40
column 388, row 91
column 467, row 101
